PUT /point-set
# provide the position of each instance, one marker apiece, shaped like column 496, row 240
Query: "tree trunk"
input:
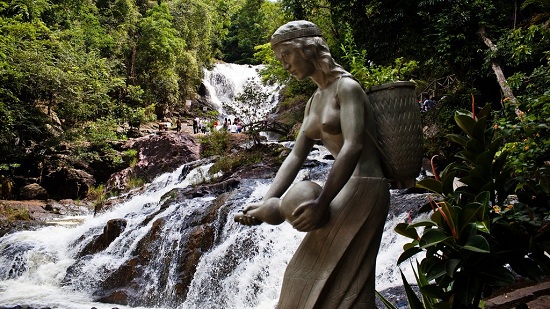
column 501, row 79
column 132, row 65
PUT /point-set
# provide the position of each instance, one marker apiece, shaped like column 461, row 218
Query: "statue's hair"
column 316, row 49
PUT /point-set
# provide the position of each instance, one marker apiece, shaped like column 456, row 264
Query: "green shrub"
column 98, row 195
column 527, row 136
column 229, row 163
column 368, row 73
column 13, row 214
column 475, row 233
column 131, row 157
column 215, row 144
column 134, row 182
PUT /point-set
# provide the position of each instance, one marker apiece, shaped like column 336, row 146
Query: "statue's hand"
column 310, row 215
column 246, row 218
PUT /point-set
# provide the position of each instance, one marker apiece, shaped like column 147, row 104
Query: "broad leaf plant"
column 477, row 238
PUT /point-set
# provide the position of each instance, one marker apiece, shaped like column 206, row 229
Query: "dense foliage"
column 477, row 238
column 69, row 68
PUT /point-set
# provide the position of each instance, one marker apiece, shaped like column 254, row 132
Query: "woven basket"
column 399, row 131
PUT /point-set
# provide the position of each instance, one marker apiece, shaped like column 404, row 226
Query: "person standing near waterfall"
column 334, row 266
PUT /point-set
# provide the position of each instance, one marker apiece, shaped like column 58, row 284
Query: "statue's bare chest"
column 324, row 115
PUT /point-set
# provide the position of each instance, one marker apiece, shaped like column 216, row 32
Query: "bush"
column 230, row 163
column 130, row 157
column 215, row 144
column 368, row 73
column 13, row 214
column 476, row 238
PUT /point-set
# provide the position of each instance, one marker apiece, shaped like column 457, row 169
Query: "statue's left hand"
column 310, row 215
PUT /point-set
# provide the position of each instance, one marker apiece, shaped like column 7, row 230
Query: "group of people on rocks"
column 234, row 127
column 202, row 125
column 199, row 125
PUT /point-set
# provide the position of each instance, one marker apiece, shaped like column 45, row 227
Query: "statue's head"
column 306, row 37
column 295, row 29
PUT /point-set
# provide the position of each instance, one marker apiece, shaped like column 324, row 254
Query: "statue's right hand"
column 252, row 207
column 247, row 219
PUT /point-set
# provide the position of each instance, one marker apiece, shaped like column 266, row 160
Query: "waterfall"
column 242, row 269
column 227, row 80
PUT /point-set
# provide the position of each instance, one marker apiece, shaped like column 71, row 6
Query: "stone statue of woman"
column 334, row 266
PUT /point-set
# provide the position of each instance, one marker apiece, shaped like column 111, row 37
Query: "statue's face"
column 294, row 61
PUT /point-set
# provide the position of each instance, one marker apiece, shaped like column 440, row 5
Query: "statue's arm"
column 352, row 121
column 291, row 166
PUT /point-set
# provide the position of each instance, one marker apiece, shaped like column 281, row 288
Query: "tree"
column 195, row 21
column 247, row 30
column 158, row 50
column 250, row 110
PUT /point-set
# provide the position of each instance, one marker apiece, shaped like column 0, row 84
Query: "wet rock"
column 33, row 191
column 68, row 183
column 158, row 153
column 198, row 234
column 116, row 297
column 111, row 231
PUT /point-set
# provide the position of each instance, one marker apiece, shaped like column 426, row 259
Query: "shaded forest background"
column 85, row 71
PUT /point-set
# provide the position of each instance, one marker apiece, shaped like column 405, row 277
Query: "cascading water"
column 227, row 80
column 243, row 267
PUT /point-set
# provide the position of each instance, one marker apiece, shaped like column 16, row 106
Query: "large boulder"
column 158, row 153
column 68, row 183
column 111, row 231
column 33, row 191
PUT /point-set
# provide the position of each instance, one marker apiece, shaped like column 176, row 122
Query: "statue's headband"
column 295, row 29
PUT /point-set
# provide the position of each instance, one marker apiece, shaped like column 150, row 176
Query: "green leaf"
column 499, row 163
column 485, row 160
column 432, row 237
column 479, row 130
column 485, row 111
column 442, row 305
column 434, row 268
column 468, row 230
column 405, row 230
column 484, row 226
column 452, row 213
column 484, row 198
column 468, row 156
column 409, row 245
column 452, row 167
column 471, row 213
column 474, row 145
column 448, row 182
column 385, row 301
column 459, row 139
column 414, row 302
column 432, row 291
column 419, row 275
column 477, row 243
column 407, row 254
column 424, row 222
column 451, row 266
column 466, row 123
column 465, row 288
column 430, row 184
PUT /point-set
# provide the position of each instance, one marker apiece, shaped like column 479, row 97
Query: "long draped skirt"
column 334, row 266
